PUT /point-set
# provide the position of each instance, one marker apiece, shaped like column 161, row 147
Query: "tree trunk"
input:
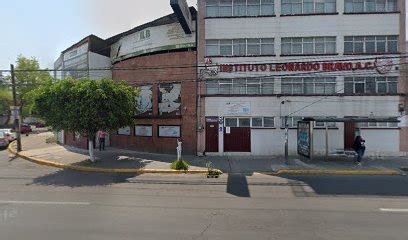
column 91, row 150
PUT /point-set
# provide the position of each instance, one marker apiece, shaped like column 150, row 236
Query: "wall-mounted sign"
column 304, row 138
column 237, row 109
column 169, row 131
column 170, row 99
column 144, row 130
column 158, row 38
column 381, row 65
column 145, row 100
column 124, row 131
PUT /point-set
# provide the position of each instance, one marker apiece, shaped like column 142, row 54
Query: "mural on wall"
column 169, row 99
column 145, row 100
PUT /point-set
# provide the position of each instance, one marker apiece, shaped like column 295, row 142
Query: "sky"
column 44, row 28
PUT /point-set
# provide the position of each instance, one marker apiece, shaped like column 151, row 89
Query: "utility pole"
column 15, row 109
column 286, row 141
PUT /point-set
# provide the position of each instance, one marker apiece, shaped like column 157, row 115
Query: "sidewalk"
column 35, row 146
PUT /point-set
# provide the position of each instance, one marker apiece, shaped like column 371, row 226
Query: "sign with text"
column 304, row 139
column 237, row 109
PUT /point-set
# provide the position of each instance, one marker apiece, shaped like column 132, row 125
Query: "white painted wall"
column 271, row 141
column 99, row 61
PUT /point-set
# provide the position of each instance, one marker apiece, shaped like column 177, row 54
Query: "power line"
column 281, row 61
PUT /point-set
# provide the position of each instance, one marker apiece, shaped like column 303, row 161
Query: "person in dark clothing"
column 359, row 147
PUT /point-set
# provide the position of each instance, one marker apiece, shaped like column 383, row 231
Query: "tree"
column 85, row 106
column 6, row 100
column 28, row 77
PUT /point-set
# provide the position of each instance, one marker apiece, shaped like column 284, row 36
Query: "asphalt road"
column 46, row 203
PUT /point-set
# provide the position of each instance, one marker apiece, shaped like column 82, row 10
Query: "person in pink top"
column 101, row 137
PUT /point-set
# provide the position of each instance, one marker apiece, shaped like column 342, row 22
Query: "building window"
column 293, row 7
column 370, row 85
column 378, row 125
column 240, row 47
column 308, row 45
column 370, row 44
column 255, row 122
column 308, row 85
column 253, row 86
column 239, row 8
column 370, row 6
column 293, row 122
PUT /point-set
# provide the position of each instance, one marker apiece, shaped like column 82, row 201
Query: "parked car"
column 36, row 124
column 9, row 133
column 25, row 129
column 4, row 141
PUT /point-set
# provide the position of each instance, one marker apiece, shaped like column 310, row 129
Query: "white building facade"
column 263, row 60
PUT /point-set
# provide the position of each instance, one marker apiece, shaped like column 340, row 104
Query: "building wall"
column 270, row 141
column 97, row 61
column 70, row 140
column 150, row 70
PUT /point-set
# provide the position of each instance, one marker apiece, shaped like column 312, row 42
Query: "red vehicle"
column 25, row 129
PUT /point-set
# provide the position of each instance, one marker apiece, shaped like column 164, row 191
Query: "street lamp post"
column 15, row 109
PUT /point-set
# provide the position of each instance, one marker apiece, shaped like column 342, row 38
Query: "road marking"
column 394, row 210
column 43, row 202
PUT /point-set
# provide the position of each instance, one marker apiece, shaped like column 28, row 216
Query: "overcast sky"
column 43, row 28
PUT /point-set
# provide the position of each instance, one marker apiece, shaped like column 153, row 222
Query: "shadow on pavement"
column 237, row 185
column 355, row 185
column 71, row 178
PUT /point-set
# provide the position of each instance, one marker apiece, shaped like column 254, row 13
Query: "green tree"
column 6, row 100
column 85, row 106
column 28, row 77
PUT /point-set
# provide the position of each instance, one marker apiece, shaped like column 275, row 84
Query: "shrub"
column 179, row 164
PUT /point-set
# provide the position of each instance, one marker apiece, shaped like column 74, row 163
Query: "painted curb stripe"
column 169, row 171
column 100, row 170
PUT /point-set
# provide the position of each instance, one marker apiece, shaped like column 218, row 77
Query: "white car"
column 4, row 141
column 8, row 132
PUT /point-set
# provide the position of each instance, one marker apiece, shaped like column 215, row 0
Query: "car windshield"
column 2, row 135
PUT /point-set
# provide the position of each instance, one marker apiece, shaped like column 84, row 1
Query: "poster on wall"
column 304, row 139
column 145, row 100
column 124, row 131
column 169, row 99
column 144, row 130
column 169, row 131
column 237, row 108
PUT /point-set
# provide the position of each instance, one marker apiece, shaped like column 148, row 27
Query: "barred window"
column 257, row 122
column 240, row 47
column 227, row 8
column 292, row 7
column 378, row 125
column 370, row 44
column 308, row 45
column 253, row 86
column 370, row 85
column 357, row 6
column 308, row 85
column 292, row 122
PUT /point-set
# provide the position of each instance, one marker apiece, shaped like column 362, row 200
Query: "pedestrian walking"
column 101, row 137
column 359, row 147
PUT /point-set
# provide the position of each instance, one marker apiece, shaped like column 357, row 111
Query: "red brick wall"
column 152, row 70
column 69, row 139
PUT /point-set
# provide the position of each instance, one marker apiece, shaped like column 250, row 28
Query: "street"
column 46, row 203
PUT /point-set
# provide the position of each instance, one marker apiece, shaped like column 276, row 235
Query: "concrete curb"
column 169, row 171
column 100, row 170
column 335, row 172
